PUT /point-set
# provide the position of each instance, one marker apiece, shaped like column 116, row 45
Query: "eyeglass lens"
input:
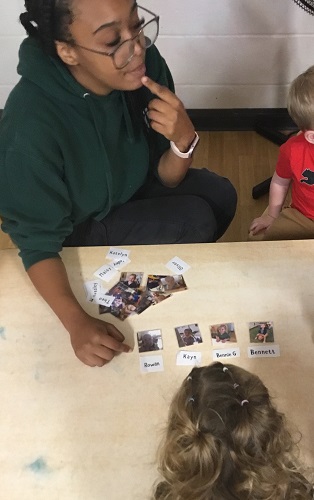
column 146, row 38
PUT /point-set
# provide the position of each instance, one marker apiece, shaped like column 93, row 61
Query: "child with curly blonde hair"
column 225, row 440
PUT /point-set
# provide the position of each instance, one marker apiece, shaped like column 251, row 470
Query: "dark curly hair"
column 48, row 20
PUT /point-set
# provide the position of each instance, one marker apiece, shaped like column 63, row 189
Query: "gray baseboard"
column 240, row 119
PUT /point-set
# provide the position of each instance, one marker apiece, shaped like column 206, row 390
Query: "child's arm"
column 278, row 191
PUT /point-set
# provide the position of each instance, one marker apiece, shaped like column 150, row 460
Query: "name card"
column 106, row 272
column 185, row 358
column 272, row 351
column 117, row 253
column 103, row 299
column 177, row 265
column 118, row 263
column 226, row 353
column 151, row 364
column 91, row 288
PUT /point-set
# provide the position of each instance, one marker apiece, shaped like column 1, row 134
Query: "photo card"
column 149, row 340
column 223, row 333
column 188, row 335
column 158, row 297
column 166, row 283
column 125, row 301
column 261, row 332
column 131, row 280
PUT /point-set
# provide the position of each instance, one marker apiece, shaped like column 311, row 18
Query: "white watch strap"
column 189, row 153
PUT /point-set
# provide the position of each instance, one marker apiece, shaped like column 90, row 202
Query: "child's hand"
column 261, row 224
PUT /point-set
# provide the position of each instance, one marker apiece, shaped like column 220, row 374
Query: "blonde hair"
column 301, row 100
column 223, row 325
column 225, row 440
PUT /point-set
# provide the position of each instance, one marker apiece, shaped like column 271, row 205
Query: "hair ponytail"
column 190, row 462
column 28, row 25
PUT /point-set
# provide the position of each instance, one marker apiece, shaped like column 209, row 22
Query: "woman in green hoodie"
column 96, row 149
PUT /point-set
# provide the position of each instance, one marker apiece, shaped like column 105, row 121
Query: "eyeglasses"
column 123, row 54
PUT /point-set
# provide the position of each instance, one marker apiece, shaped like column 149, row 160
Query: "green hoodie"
column 66, row 154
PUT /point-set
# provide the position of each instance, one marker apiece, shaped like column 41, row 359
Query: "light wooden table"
column 78, row 433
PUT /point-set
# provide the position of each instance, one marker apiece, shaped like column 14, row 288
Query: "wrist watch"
column 189, row 153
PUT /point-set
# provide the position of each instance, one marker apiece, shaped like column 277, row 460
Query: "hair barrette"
column 191, row 400
column 189, row 377
column 244, row 402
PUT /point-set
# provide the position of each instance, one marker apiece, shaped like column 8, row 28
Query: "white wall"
column 222, row 53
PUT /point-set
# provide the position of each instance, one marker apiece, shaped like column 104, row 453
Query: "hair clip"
column 191, row 400
column 189, row 377
column 225, row 369
column 235, row 385
column 244, row 401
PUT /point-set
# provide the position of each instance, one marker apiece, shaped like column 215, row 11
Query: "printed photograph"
column 166, row 284
column 125, row 301
column 145, row 301
column 158, row 297
column 131, row 280
column 261, row 332
column 223, row 333
column 149, row 340
column 188, row 335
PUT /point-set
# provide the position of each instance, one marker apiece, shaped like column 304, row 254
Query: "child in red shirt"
column 295, row 167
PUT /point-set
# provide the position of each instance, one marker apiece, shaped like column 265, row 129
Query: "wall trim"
column 240, row 119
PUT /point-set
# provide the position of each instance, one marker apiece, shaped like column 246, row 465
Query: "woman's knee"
column 228, row 195
column 219, row 190
column 200, row 224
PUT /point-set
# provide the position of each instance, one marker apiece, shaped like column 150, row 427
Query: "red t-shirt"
column 296, row 162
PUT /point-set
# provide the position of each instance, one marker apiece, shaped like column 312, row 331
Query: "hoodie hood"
column 54, row 78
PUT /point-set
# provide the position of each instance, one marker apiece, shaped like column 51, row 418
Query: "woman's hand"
column 96, row 342
column 168, row 116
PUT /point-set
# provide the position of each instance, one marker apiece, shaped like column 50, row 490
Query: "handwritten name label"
column 272, row 351
column 226, row 353
column 185, row 358
column 117, row 264
column 105, row 273
column 117, row 253
column 91, row 288
column 177, row 265
column 103, row 299
column 151, row 364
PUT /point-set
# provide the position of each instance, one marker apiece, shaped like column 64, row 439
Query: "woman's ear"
column 67, row 53
column 309, row 136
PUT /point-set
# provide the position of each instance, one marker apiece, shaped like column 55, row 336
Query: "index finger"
column 114, row 340
column 159, row 90
column 114, row 332
column 114, row 345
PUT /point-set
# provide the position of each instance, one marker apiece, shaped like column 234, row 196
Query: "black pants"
column 199, row 210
